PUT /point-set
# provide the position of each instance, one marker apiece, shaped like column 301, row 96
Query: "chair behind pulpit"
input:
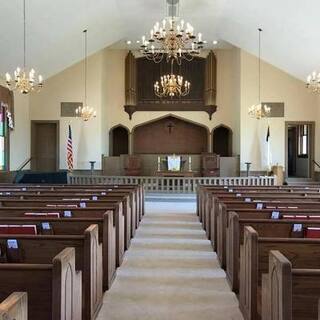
column 210, row 165
column 132, row 166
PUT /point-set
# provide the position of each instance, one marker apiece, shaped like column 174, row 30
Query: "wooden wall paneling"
column 170, row 135
column 131, row 79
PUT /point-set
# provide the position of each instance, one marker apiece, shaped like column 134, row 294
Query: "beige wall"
column 237, row 90
column 277, row 86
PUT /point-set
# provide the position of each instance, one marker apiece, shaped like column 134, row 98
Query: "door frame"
column 33, row 132
column 312, row 125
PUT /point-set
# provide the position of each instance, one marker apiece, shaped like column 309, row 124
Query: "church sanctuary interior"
column 159, row 159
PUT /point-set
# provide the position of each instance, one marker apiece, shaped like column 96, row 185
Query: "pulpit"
column 132, row 166
column 210, row 163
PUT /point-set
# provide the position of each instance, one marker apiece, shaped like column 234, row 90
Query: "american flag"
column 69, row 150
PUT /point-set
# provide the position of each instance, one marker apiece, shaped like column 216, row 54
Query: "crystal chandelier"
column 173, row 39
column 259, row 111
column 85, row 112
column 313, row 82
column 172, row 85
column 24, row 81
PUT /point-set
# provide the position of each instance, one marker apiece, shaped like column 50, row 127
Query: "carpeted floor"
column 170, row 271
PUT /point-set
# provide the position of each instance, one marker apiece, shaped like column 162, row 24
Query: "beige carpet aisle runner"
column 170, row 271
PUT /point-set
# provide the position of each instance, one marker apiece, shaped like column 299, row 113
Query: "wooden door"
column 44, row 146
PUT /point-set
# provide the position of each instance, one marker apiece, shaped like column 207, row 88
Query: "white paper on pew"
column 230, row 190
column 275, row 215
column 247, row 200
column 103, row 193
column 238, row 195
column 12, row 244
column 94, row 198
column 24, row 189
column 297, row 227
column 67, row 214
column 82, row 205
column 259, row 206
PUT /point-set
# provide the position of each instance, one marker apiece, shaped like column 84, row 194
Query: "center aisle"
column 170, row 271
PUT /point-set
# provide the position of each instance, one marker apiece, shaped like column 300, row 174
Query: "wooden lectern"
column 210, row 165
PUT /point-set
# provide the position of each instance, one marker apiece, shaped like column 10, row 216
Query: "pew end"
column 15, row 307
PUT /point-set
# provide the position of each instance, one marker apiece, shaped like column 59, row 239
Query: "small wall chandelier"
column 172, row 85
column 85, row 112
column 173, row 39
column 258, row 110
column 24, row 81
column 313, row 82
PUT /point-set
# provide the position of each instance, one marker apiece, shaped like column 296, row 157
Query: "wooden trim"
column 33, row 124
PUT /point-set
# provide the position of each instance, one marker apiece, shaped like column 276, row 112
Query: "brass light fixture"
column 85, row 112
column 172, row 85
column 24, row 81
column 259, row 111
column 313, row 82
column 173, row 39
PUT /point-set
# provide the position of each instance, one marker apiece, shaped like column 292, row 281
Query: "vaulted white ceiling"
column 290, row 37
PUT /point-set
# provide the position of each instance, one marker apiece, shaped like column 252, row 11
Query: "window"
column 303, row 141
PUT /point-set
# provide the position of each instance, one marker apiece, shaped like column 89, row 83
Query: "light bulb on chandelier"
column 23, row 80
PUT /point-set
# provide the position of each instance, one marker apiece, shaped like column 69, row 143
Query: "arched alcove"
column 222, row 141
column 118, row 141
column 170, row 134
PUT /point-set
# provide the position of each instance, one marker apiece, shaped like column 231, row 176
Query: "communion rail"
column 172, row 184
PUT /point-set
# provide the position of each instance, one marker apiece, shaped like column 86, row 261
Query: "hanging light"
column 172, row 85
column 85, row 112
column 173, row 39
column 23, row 80
column 258, row 110
column 313, row 82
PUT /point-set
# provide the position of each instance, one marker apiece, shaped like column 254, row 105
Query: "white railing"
column 172, row 184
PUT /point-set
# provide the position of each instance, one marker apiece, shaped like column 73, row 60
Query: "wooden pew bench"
column 302, row 253
column 54, row 288
column 15, row 307
column 266, row 227
column 76, row 225
column 289, row 292
column 40, row 249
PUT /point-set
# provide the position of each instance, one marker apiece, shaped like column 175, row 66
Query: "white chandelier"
column 172, row 85
column 173, row 39
column 24, row 81
column 313, row 82
column 85, row 112
column 259, row 111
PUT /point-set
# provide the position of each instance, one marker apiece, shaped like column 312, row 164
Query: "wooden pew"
column 15, row 307
column 289, row 293
column 303, row 253
column 54, row 289
column 266, row 228
column 40, row 249
column 105, row 205
column 76, row 225
column 219, row 223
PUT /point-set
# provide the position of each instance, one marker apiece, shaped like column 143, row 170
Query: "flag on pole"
column 69, row 150
column 268, row 134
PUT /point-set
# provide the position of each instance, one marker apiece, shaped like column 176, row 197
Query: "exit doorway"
column 300, row 149
column 44, row 146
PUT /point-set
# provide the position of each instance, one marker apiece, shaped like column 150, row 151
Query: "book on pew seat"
column 312, row 232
